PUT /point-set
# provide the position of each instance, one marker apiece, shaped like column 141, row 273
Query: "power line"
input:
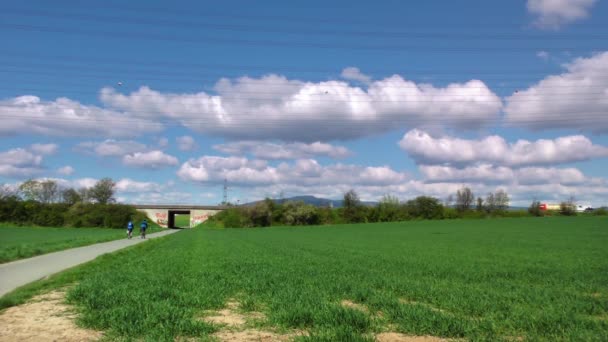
column 288, row 83
column 88, row 17
column 221, row 66
column 451, row 98
column 413, row 119
column 209, row 13
column 277, row 43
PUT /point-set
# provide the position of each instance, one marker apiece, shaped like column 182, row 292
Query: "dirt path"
column 21, row 272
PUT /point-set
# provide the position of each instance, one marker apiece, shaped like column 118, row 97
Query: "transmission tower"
column 225, row 201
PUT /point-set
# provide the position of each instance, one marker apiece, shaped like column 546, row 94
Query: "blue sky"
column 292, row 98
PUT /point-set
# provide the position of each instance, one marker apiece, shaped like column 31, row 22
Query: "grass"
column 182, row 221
column 24, row 242
column 500, row 279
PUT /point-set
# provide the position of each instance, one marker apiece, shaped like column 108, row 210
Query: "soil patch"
column 352, row 305
column 236, row 325
column 44, row 318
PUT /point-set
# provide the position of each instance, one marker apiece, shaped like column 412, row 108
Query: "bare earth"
column 44, row 318
column 47, row 318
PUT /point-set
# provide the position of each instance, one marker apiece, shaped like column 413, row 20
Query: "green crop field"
column 182, row 221
column 497, row 279
column 24, row 242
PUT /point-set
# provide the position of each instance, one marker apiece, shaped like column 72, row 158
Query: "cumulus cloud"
column 44, row 148
column 553, row 14
column 66, row 170
column 20, row 163
column 272, row 151
column 426, row 149
column 163, row 142
column 244, row 172
column 65, row 117
column 578, row 98
column 127, row 185
column 153, row 159
column 111, row 147
column 354, row 74
column 274, row 107
column 186, row 143
column 489, row 174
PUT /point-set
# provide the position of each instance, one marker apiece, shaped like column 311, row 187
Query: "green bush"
column 232, row 218
column 515, row 213
column 600, row 212
column 50, row 215
column 101, row 215
column 567, row 209
column 425, row 207
column 299, row 213
column 534, row 209
column 450, row 213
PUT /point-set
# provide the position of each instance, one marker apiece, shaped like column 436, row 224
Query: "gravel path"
column 21, row 272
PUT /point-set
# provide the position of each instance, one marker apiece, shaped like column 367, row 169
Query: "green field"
column 182, row 221
column 498, row 279
column 24, row 242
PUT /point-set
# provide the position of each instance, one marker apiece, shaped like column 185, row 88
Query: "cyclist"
column 142, row 228
column 129, row 230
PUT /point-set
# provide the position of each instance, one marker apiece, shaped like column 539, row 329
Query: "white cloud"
column 163, row 142
column 111, row 147
column 153, row 159
column 44, row 148
column 20, row 163
column 488, row 174
column 64, row 117
column 552, row 14
column 20, row 157
column 127, row 185
column 66, row 170
column 273, row 107
column 575, row 99
column 544, row 55
column 304, row 172
column 272, row 151
column 426, row 149
column 168, row 197
column 186, row 143
column 354, row 74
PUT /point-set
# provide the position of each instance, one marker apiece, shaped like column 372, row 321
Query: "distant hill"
column 312, row 200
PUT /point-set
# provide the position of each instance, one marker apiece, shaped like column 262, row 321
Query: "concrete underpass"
column 164, row 215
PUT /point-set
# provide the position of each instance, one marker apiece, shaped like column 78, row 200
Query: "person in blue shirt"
column 142, row 228
column 129, row 229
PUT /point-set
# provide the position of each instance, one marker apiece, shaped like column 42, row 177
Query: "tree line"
column 45, row 203
column 390, row 209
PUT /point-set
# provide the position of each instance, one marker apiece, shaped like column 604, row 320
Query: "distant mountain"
column 312, row 200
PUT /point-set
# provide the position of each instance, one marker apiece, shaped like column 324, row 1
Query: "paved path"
column 21, row 272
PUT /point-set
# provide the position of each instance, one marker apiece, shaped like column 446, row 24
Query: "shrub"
column 600, row 212
column 233, row 218
column 50, row 215
column 388, row 210
column 534, row 209
column 567, row 209
column 260, row 214
column 101, row 215
column 515, row 213
column 425, row 207
column 299, row 213
column 450, row 213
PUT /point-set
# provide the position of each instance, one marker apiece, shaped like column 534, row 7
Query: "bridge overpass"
column 164, row 215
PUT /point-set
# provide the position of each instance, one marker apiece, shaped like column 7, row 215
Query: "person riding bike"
column 142, row 228
column 130, row 229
